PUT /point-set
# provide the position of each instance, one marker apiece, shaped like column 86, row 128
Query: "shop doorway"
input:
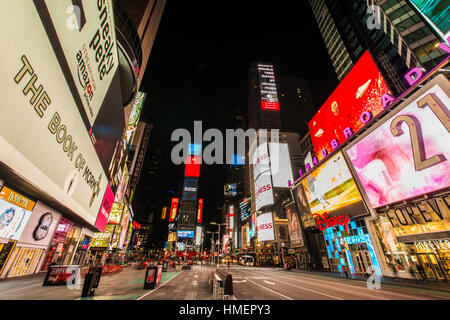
column 431, row 267
column 361, row 257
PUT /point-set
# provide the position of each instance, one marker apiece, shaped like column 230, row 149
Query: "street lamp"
column 218, row 239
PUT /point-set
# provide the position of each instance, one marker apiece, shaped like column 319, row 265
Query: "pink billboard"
column 105, row 209
column 408, row 154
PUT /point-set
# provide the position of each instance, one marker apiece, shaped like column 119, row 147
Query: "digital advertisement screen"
column 15, row 211
column 173, row 209
column 105, row 209
column 437, row 12
column 331, row 188
column 116, row 213
column 192, row 166
column 265, row 227
column 230, row 190
column 303, row 206
column 295, row 232
column 360, row 91
column 190, row 189
column 102, row 239
column 245, row 206
column 261, row 176
column 407, row 155
column 280, row 165
column 268, row 87
column 185, row 234
column 200, row 211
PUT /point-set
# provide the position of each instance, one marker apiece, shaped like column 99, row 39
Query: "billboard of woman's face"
column 295, row 232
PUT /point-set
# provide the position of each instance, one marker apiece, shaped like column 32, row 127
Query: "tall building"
column 296, row 104
column 349, row 28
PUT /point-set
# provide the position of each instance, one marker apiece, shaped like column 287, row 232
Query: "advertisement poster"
column 280, row 165
column 41, row 226
column 15, row 211
column 295, row 232
column 304, row 210
column 61, row 275
column 89, row 45
column 261, row 176
column 190, row 189
column 394, row 162
column 116, row 213
column 269, row 95
column 105, row 209
column 331, row 189
column 360, row 91
column 50, row 145
column 102, row 239
column 265, row 227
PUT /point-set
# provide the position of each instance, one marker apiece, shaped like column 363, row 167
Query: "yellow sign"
column 16, row 199
column 164, row 212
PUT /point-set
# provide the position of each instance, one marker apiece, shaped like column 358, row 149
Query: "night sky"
column 198, row 71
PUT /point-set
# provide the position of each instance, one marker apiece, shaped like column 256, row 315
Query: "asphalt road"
column 275, row 284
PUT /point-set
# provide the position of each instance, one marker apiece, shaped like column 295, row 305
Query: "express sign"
column 265, row 227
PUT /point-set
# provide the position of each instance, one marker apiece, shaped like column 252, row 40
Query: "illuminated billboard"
column 89, row 46
column 105, row 209
column 360, row 93
column 408, row 153
column 192, row 166
column 437, row 13
column 230, row 190
column 102, row 239
column 185, row 234
column 44, row 137
column 280, row 165
column 261, row 176
column 331, row 189
column 173, row 209
column 268, row 87
column 200, row 211
column 303, row 206
column 15, row 211
column 190, row 189
column 246, row 208
column 295, row 232
column 265, row 227
column 116, row 213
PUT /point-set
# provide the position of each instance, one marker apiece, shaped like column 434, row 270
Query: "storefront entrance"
column 360, row 257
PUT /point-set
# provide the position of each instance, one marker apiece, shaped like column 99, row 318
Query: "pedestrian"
column 394, row 268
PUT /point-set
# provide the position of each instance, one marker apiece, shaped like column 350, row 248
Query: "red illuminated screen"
column 173, row 209
column 192, row 167
column 200, row 210
column 266, row 105
column 360, row 91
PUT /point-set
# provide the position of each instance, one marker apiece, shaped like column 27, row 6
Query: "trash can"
column 91, row 282
column 152, row 277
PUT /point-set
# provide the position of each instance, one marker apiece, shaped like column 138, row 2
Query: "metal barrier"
column 221, row 284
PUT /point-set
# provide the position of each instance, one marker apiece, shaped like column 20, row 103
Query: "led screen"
column 437, row 12
column 173, row 209
column 190, row 189
column 265, row 227
column 261, row 176
column 116, row 213
column 295, row 232
column 101, row 239
column 384, row 159
column 200, row 211
column 303, row 206
column 185, row 234
column 360, row 91
column 268, row 87
column 192, row 167
column 105, row 209
column 280, row 165
column 331, row 188
column 230, row 190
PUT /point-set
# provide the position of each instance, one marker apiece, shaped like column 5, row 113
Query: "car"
column 246, row 260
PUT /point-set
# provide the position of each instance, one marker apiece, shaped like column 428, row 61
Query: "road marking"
column 194, row 283
column 260, row 278
column 239, row 281
column 268, row 282
column 160, row 286
column 271, row 290
column 196, row 276
column 324, row 294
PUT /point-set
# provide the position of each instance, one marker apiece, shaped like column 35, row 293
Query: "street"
column 192, row 284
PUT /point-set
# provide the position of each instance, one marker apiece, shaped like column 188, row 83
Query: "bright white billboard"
column 261, row 176
column 280, row 165
column 42, row 135
column 198, row 236
column 265, row 227
column 88, row 39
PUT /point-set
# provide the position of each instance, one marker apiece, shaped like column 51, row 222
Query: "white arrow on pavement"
column 239, row 281
column 194, row 283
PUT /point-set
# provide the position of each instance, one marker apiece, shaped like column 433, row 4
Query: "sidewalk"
column 430, row 285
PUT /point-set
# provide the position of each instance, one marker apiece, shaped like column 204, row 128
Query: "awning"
column 439, row 235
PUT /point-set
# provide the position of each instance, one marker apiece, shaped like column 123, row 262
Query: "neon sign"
column 323, row 222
